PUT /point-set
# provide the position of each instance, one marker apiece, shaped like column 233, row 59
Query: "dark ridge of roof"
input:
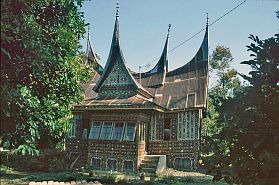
column 161, row 66
column 198, row 61
column 114, row 56
column 156, row 76
column 91, row 57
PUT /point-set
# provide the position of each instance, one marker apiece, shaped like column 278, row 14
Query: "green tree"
column 227, row 80
column 226, row 86
column 246, row 149
column 41, row 71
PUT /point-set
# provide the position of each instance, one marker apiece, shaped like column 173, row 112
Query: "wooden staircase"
column 149, row 165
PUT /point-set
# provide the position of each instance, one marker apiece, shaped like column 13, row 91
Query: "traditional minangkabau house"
column 130, row 121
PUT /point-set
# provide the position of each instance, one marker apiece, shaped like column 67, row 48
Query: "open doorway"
column 167, row 124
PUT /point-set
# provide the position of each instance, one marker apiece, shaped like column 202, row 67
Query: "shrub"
column 173, row 180
column 51, row 160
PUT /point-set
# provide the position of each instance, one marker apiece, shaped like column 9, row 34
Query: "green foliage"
column 69, row 175
column 246, row 149
column 172, row 180
column 221, row 58
column 51, row 161
column 41, row 71
column 4, row 169
column 227, row 81
column 227, row 86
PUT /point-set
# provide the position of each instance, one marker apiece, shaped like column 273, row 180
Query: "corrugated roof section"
column 182, row 88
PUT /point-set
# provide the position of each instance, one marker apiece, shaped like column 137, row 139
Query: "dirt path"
column 176, row 173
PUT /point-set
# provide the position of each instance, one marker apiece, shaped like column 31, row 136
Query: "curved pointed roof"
column 116, row 58
column 183, row 88
column 162, row 64
column 198, row 61
column 156, row 76
column 91, row 57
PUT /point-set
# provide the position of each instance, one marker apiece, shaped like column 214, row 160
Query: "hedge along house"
column 129, row 120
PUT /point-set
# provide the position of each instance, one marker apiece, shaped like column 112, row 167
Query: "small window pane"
column 96, row 163
column 128, row 166
column 111, row 164
column 72, row 132
column 118, row 131
column 95, row 130
column 106, row 131
column 182, row 163
column 129, row 132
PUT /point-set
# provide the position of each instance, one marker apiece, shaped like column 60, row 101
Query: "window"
column 182, row 163
column 84, row 134
column 106, row 131
column 118, row 131
column 154, row 126
column 96, row 163
column 188, row 125
column 128, row 166
column 95, row 130
column 111, row 164
column 129, row 132
column 72, row 132
column 77, row 116
column 141, row 131
column 191, row 100
column 167, row 129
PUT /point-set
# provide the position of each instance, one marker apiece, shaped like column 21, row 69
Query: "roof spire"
column 88, row 32
column 207, row 19
column 169, row 31
column 117, row 8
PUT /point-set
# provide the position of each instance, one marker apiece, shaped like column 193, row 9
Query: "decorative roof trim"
column 116, row 52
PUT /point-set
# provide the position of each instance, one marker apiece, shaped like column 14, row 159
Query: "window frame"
column 107, row 164
column 99, row 133
column 110, row 132
column 122, row 132
column 125, row 132
column 73, row 130
column 190, row 123
column 97, row 159
column 133, row 165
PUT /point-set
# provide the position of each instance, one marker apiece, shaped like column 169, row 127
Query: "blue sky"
column 144, row 24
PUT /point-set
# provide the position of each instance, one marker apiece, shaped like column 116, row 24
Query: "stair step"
column 150, row 170
column 148, row 165
column 151, row 159
column 150, row 162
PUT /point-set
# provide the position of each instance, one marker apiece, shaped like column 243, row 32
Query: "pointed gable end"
column 116, row 80
column 91, row 58
column 156, row 76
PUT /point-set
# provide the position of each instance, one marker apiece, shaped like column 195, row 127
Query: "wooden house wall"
column 120, row 151
column 175, row 148
column 134, row 150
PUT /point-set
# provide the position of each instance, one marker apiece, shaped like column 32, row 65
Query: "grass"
column 10, row 176
column 189, row 180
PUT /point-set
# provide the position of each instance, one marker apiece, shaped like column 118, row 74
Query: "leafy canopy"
column 41, row 71
column 245, row 151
